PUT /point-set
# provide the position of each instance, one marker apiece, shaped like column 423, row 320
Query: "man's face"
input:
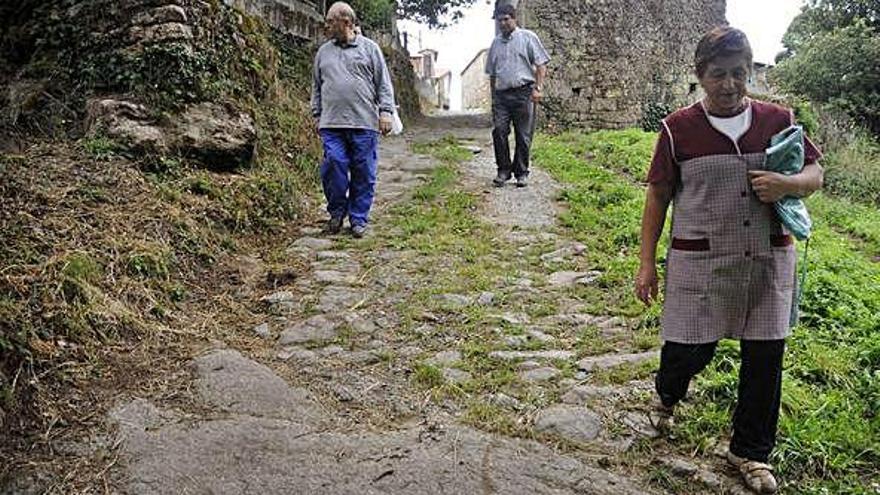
column 337, row 27
column 506, row 23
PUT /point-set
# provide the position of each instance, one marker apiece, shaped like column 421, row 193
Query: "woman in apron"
column 730, row 267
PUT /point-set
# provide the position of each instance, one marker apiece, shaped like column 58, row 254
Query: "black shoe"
column 358, row 230
column 522, row 181
column 499, row 180
column 334, row 225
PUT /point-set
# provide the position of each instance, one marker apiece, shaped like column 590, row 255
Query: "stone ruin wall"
column 611, row 58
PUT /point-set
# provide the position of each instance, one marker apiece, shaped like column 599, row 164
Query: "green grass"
column 829, row 430
column 853, row 169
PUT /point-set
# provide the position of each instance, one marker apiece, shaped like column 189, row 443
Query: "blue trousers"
column 348, row 172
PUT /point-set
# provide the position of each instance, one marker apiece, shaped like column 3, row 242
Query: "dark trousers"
column 513, row 106
column 760, row 388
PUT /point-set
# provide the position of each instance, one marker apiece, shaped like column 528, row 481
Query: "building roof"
column 478, row 55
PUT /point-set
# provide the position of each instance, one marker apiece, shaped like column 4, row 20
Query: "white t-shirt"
column 733, row 127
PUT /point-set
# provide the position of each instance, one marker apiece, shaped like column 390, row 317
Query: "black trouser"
column 513, row 105
column 760, row 388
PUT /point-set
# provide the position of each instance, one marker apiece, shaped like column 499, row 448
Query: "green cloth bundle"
column 786, row 156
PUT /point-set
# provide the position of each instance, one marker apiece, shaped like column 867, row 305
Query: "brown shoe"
column 757, row 476
column 662, row 417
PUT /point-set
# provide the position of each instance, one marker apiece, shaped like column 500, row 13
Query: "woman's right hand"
column 646, row 283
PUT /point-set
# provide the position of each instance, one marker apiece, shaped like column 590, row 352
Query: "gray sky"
column 764, row 22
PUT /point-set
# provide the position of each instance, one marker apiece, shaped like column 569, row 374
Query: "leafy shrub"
column 652, row 115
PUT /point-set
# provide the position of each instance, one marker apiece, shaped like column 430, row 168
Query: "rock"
column 511, row 355
column 473, row 149
column 236, row 384
column 574, row 423
column 359, row 324
column 536, row 334
column 315, row 329
column 485, row 298
column 584, row 393
column 678, row 467
column 640, row 424
column 219, row 137
column 334, row 277
column 539, row 374
column 310, row 244
column 342, row 393
column 528, row 365
column 611, row 360
column 337, row 298
column 515, row 340
column 514, row 318
column 241, row 453
column 566, row 277
column 128, row 123
column 563, row 252
column 455, row 375
column 331, row 350
column 331, row 255
column 570, row 320
column 708, row 478
column 410, row 351
column 362, row 357
column 588, row 278
column 279, row 297
column 159, row 15
column 506, row 401
column 444, row 358
column 262, row 330
column 296, row 354
column 160, row 33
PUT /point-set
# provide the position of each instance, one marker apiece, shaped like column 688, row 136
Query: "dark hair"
column 505, row 9
column 721, row 41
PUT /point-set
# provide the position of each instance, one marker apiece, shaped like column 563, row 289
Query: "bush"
column 853, row 170
column 653, row 114
column 838, row 67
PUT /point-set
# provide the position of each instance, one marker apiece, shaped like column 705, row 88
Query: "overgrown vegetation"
column 106, row 255
column 832, row 57
column 829, row 430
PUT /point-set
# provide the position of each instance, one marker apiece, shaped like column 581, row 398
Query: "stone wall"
column 612, row 58
column 300, row 18
column 475, row 84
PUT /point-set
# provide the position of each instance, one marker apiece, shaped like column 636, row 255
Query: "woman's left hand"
column 769, row 186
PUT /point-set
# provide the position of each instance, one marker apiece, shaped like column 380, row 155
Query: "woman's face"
column 725, row 84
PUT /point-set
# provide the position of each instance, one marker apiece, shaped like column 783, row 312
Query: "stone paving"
column 332, row 408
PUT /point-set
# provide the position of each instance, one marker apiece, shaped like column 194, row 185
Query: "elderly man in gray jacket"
column 516, row 65
column 352, row 101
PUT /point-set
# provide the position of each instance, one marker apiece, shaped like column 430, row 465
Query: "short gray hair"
column 341, row 9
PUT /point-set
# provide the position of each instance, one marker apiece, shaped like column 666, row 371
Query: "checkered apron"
column 730, row 269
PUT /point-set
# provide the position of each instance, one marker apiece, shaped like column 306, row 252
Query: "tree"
column 833, row 56
column 434, row 13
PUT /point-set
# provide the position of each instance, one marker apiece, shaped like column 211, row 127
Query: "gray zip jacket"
column 351, row 85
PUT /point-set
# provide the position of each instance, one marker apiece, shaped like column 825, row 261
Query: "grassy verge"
column 829, row 429
column 113, row 263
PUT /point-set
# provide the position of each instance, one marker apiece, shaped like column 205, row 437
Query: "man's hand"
column 385, row 123
column 769, row 186
column 537, row 94
column 646, row 283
